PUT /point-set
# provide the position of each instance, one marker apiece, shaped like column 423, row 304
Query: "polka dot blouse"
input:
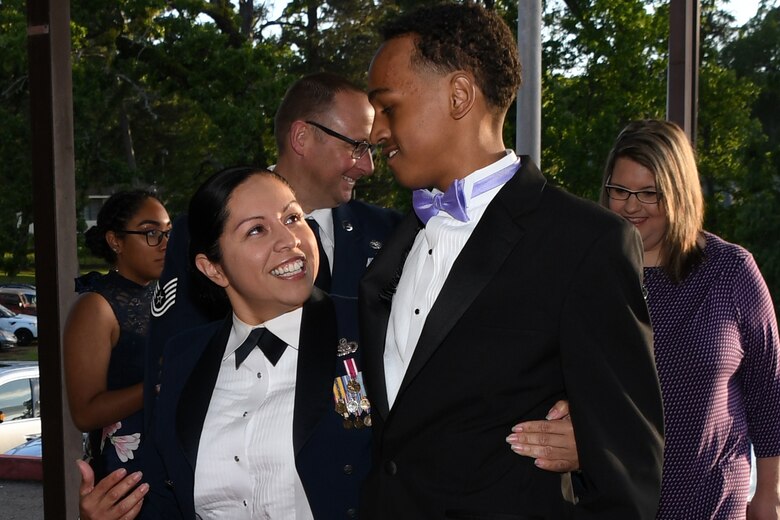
column 716, row 348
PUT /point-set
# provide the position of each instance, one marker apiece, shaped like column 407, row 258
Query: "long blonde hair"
column 664, row 149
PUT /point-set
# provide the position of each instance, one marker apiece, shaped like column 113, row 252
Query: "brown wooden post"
column 51, row 121
column 682, row 101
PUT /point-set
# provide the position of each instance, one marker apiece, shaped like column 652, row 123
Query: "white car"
column 7, row 339
column 20, row 406
column 24, row 327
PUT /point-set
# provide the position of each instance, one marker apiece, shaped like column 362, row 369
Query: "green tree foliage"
column 15, row 169
column 605, row 64
column 163, row 96
column 753, row 219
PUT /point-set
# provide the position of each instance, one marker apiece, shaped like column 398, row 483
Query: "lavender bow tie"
column 453, row 201
column 427, row 205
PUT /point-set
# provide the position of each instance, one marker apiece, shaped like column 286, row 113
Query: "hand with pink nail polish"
column 551, row 442
column 113, row 498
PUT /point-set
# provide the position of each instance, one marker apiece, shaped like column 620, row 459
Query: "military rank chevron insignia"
column 164, row 297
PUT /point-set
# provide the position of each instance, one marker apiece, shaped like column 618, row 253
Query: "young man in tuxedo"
column 501, row 295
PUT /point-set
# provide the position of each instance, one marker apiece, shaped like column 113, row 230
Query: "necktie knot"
column 271, row 346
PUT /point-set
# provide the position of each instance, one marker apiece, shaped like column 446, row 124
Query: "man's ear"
column 463, row 94
column 211, row 270
column 299, row 132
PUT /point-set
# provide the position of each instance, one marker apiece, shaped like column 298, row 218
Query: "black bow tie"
column 269, row 343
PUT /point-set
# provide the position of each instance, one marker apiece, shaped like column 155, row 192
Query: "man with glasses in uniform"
column 322, row 129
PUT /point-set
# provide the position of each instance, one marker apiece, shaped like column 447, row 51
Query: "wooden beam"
column 682, row 100
column 54, row 202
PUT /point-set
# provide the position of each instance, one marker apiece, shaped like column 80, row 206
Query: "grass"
column 23, row 277
column 28, row 353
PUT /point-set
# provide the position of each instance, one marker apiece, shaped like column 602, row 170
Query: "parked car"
column 7, row 339
column 20, row 406
column 20, row 298
column 24, row 327
column 33, row 447
column 30, row 448
column 17, row 286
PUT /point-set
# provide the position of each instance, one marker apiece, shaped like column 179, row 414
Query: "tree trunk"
column 312, row 36
column 246, row 13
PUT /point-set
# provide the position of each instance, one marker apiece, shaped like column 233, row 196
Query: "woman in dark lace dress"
column 105, row 334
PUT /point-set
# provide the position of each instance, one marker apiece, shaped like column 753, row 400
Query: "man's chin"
column 345, row 197
column 409, row 182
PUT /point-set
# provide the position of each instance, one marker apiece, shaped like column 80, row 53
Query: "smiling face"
column 649, row 219
column 331, row 170
column 269, row 254
column 412, row 120
column 136, row 260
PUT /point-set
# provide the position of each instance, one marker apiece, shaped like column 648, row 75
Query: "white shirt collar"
column 324, row 219
column 487, row 171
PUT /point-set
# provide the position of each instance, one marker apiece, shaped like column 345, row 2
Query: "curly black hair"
column 114, row 216
column 466, row 37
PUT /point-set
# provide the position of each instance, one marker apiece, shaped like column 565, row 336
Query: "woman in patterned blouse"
column 716, row 338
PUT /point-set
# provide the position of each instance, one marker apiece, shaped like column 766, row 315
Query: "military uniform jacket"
column 331, row 460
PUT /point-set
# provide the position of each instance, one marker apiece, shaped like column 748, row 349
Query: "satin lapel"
column 498, row 233
column 349, row 259
column 377, row 289
column 316, row 366
column 196, row 393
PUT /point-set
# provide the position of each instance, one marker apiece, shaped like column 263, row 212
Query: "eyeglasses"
column 360, row 147
column 153, row 236
column 643, row 196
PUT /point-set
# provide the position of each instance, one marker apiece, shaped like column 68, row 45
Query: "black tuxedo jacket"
column 544, row 302
column 332, row 461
